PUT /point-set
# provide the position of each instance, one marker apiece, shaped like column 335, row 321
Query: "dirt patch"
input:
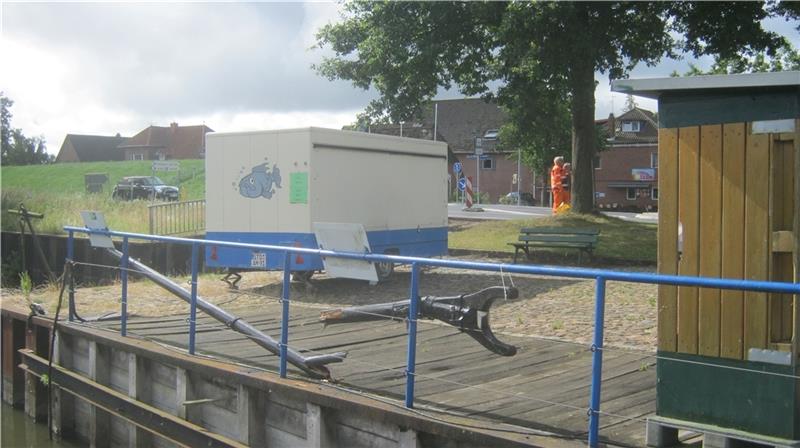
column 547, row 306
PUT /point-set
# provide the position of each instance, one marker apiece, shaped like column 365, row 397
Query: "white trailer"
column 270, row 187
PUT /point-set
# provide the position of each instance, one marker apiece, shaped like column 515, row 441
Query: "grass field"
column 619, row 239
column 59, row 192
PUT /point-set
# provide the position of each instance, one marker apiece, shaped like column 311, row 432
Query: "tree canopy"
column 15, row 147
column 536, row 59
column 784, row 59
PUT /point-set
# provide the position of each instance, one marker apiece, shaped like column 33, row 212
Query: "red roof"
column 178, row 142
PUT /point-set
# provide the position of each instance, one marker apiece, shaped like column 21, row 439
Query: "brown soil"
column 547, row 307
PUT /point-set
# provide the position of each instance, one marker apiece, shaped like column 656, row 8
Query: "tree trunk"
column 583, row 135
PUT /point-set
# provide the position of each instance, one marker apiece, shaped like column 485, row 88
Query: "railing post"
column 412, row 335
column 70, row 258
column 287, row 272
column 193, row 304
column 150, row 212
column 597, row 361
column 123, row 276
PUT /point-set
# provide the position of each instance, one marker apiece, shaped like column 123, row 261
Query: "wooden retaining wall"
column 234, row 405
column 171, row 258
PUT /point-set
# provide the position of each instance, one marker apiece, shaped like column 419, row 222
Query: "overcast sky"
column 87, row 68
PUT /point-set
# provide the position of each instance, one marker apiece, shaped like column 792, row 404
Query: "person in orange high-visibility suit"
column 566, row 183
column 556, row 182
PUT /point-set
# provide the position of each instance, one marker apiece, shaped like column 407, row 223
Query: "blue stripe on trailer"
column 423, row 242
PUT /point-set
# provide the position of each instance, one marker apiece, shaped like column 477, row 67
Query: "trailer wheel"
column 385, row 270
column 302, row 276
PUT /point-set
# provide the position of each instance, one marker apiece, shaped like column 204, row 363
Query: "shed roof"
column 654, row 87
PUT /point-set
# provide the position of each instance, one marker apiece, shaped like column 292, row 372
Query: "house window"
column 487, row 164
column 596, row 162
column 654, row 193
column 137, row 156
column 491, row 134
column 630, row 194
column 654, row 160
column 631, row 126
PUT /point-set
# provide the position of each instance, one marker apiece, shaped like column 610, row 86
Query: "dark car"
column 144, row 187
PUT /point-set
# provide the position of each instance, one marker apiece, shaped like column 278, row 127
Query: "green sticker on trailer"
column 298, row 188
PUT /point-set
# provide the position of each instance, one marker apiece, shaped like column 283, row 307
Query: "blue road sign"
column 482, row 156
column 462, row 184
column 457, row 167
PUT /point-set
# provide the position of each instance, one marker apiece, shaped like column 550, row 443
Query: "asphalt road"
column 505, row 212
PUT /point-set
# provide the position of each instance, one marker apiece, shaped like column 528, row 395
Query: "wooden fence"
column 176, row 218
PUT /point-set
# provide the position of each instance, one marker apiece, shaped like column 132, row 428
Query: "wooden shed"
column 729, row 206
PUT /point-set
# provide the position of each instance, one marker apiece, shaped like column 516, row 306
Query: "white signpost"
column 345, row 237
column 166, row 165
column 96, row 221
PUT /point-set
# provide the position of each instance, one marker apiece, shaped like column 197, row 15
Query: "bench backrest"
column 577, row 236
column 558, row 231
column 576, row 239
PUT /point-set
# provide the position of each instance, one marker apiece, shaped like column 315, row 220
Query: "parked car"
column 144, row 187
column 511, row 198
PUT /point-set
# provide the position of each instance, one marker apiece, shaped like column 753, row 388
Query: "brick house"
column 459, row 122
column 90, row 148
column 626, row 173
column 162, row 143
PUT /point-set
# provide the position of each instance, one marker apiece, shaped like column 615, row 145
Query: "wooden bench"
column 585, row 240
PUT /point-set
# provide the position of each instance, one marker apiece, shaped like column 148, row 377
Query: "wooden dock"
column 544, row 387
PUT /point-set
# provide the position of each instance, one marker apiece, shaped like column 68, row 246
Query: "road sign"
column 166, row 165
column 479, row 146
column 457, row 167
column 462, row 184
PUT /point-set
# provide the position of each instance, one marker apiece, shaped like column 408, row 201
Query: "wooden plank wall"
column 756, row 237
column 720, row 183
column 710, row 256
column 689, row 219
column 668, row 237
column 732, row 306
column 782, row 206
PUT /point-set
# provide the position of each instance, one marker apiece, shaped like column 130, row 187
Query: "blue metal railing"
column 600, row 276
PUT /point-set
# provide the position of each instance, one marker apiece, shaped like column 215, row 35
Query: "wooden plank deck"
column 545, row 386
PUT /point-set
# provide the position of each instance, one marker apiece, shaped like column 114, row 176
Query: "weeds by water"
column 61, row 209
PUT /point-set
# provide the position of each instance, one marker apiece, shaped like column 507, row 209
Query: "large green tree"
column 15, row 147
column 537, row 59
column 785, row 59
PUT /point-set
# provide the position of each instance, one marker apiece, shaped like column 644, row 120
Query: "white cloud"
column 107, row 68
column 104, row 68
